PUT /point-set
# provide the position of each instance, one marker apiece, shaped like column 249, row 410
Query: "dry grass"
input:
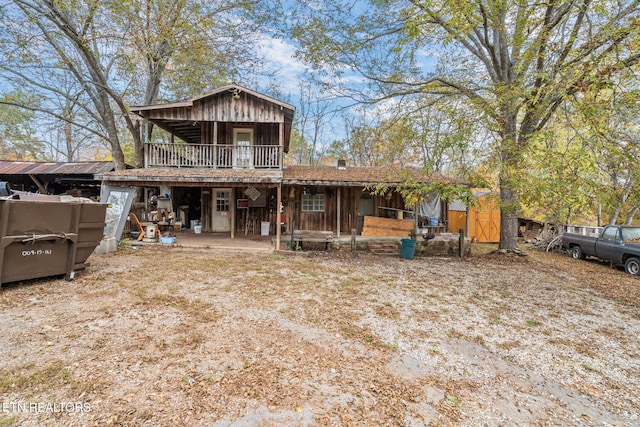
column 172, row 336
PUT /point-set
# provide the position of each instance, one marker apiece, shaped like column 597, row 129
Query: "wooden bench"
column 299, row 237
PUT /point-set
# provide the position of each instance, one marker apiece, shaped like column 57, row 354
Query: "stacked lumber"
column 376, row 226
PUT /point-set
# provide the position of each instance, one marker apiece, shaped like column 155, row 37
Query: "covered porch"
column 231, row 203
column 231, row 127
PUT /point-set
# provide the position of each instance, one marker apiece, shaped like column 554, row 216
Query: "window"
column 222, row 201
column 610, row 233
column 631, row 234
column 313, row 203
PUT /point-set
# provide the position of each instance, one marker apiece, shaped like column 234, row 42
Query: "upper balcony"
column 231, row 127
column 227, row 156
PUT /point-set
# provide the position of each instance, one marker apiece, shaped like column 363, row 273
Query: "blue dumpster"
column 408, row 248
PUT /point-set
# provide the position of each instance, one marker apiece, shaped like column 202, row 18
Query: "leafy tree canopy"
column 514, row 62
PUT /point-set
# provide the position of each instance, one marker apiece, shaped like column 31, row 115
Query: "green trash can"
column 408, row 248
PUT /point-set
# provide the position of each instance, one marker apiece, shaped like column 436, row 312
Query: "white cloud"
column 280, row 55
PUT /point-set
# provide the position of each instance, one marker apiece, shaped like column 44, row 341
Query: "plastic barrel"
column 408, row 248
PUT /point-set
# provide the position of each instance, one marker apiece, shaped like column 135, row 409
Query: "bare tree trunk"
column 631, row 214
column 615, row 214
column 508, row 216
column 509, row 208
column 156, row 66
column 101, row 100
column 68, row 139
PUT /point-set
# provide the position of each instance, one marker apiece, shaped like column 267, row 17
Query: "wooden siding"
column 328, row 220
column 174, row 113
column 223, row 108
column 194, row 120
column 248, row 109
column 458, row 221
column 263, row 133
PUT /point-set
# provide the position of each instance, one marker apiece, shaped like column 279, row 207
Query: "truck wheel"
column 632, row 265
column 576, row 252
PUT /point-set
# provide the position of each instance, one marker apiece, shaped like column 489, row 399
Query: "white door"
column 221, row 212
column 242, row 150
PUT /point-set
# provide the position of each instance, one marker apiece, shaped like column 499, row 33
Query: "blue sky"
column 281, row 57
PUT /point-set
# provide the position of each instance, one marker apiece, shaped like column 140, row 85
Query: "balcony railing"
column 213, row 156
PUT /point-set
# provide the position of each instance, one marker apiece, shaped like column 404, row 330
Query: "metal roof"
column 9, row 167
column 457, row 205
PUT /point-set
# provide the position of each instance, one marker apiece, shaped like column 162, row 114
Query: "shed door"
column 488, row 226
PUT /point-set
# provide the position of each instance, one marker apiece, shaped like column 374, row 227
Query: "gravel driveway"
column 207, row 337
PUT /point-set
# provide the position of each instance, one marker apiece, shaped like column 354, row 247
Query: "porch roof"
column 290, row 175
column 193, row 176
column 358, row 176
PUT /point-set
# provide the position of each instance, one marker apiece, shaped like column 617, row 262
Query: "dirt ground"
column 198, row 337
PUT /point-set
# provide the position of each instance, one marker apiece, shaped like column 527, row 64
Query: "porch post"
column 278, row 216
column 467, row 221
column 338, row 193
column 280, row 145
column 232, row 208
column 216, row 156
column 144, row 131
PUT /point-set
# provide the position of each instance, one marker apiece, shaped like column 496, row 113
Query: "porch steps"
column 384, row 248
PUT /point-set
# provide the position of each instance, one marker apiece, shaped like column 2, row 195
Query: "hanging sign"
column 252, row 192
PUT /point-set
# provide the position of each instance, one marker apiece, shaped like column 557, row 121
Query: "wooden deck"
column 213, row 156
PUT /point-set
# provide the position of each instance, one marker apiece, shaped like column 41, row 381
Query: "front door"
column 221, row 215
column 242, row 148
column 365, row 208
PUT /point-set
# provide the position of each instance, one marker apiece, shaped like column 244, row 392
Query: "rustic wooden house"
column 340, row 199
column 222, row 169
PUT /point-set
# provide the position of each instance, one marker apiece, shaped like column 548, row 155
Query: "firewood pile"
column 547, row 242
